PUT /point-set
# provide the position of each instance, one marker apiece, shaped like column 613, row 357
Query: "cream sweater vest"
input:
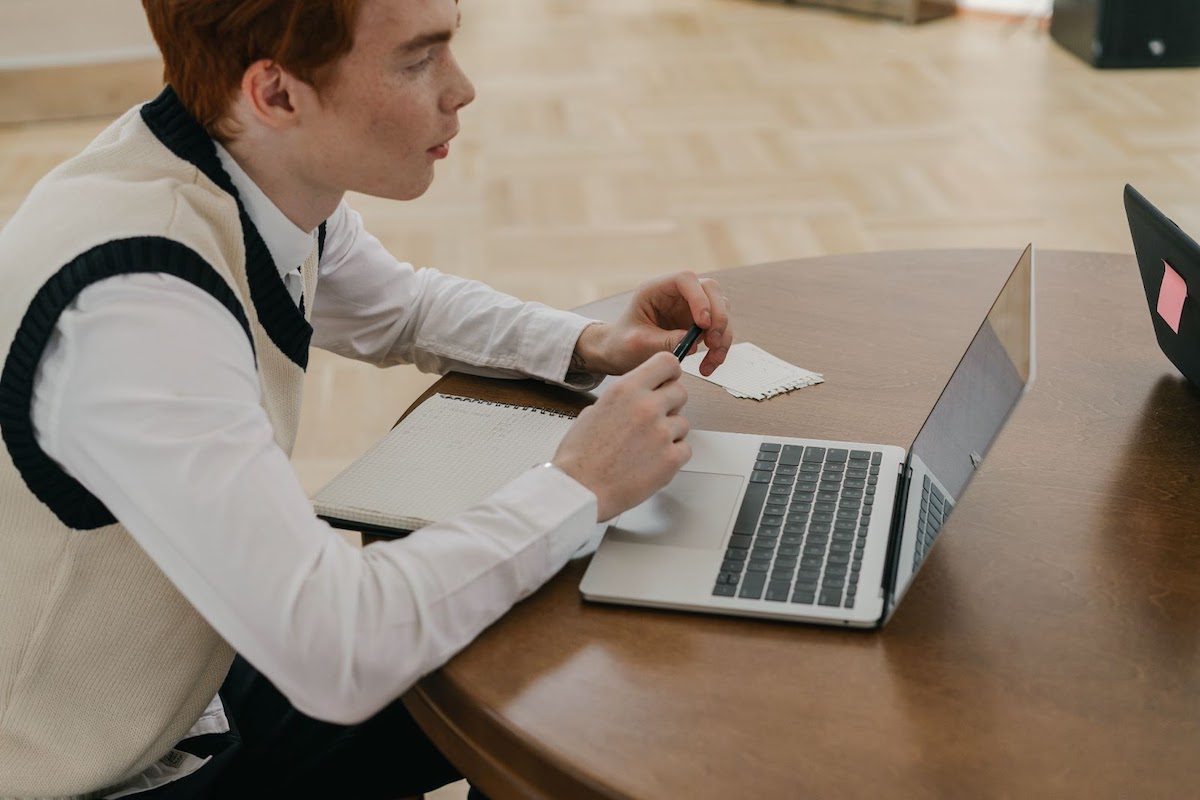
column 104, row 666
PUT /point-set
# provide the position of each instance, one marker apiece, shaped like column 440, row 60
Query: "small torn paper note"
column 751, row 372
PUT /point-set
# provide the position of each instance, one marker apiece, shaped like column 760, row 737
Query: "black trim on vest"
column 74, row 505
column 284, row 323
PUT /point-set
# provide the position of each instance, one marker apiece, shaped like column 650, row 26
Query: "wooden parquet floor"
column 613, row 140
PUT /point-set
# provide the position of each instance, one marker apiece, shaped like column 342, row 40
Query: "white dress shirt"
column 147, row 394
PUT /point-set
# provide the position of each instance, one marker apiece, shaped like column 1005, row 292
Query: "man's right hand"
column 630, row 443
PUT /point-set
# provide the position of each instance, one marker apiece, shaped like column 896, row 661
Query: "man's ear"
column 272, row 95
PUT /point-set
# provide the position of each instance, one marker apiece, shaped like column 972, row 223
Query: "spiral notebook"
column 449, row 454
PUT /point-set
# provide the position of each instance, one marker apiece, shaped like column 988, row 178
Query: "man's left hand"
column 657, row 319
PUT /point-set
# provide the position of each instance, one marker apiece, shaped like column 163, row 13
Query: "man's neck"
column 306, row 205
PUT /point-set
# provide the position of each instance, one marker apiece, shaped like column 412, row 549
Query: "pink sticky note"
column 1171, row 297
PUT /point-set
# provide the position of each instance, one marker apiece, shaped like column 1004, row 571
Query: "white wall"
column 44, row 33
column 1039, row 8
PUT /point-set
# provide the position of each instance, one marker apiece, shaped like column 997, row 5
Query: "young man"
column 158, row 295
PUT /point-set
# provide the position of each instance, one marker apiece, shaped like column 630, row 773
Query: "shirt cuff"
column 548, row 344
column 564, row 507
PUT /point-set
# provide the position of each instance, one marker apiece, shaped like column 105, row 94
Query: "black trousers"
column 273, row 750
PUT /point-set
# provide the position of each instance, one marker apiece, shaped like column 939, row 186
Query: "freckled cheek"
column 393, row 133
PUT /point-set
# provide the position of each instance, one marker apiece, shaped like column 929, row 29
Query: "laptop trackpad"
column 694, row 510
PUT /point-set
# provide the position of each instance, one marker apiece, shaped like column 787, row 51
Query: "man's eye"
column 420, row 65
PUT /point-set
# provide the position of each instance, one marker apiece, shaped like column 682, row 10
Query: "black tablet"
column 1169, row 261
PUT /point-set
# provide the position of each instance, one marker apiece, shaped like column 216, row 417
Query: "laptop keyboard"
column 802, row 527
column 935, row 507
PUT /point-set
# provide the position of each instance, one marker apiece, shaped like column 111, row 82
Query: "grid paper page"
column 449, row 454
column 751, row 372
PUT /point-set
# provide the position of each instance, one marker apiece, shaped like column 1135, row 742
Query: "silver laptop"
column 819, row 531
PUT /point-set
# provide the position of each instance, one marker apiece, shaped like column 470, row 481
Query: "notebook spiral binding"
column 544, row 411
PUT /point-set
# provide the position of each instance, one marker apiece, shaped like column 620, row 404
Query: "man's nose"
column 462, row 91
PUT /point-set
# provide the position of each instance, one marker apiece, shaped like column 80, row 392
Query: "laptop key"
column 769, row 447
column 725, row 590
column 740, row 540
column 814, row 454
column 858, row 455
column 806, row 598
column 828, row 598
column 752, row 504
column 778, row 591
column 876, row 458
column 836, row 454
column 760, row 476
column 752, row 586
column 791, row 455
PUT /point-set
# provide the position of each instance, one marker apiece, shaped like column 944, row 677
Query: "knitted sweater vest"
column 104, row 666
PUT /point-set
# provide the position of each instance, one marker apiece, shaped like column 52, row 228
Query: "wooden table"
column 1050, row 647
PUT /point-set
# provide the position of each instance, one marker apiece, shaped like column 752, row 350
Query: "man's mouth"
column 442, row 150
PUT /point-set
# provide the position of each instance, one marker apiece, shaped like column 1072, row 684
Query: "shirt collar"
column 288, row 244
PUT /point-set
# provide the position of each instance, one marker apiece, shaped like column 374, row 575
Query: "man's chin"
column 410, row 190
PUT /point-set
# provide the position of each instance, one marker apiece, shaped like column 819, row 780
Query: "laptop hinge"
column 895, row 537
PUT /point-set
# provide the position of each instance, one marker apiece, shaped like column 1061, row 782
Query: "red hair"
column 208, row 44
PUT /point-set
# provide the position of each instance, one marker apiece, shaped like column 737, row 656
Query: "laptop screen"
column 977, row 400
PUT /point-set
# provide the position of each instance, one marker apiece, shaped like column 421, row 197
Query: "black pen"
column 688, row 340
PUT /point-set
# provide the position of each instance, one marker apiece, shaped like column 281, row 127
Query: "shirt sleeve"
column 371, row 307
column 148, row 396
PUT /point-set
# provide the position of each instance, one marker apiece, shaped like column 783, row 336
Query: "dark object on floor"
column 910, row 11
column 1129, row 33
